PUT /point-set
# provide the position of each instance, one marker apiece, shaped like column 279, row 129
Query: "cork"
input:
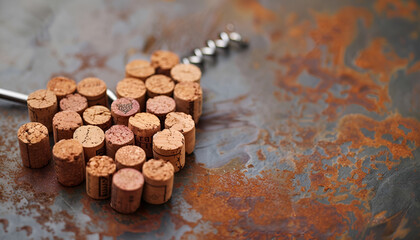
column 186, row 73
column 132, row 88
column 74, row 102
column 127, row 187
column 158, row 181
column 183, row 123
column 98, row 116
column 164, row 61
column 160, row 106
column 99, row 171
column 65, row 123
column 69, row 162
column 92, row 139
column 139, row 69
column 130, row 156
column 144, row 126
column 116, row 137
column 42, row 105
column 189, row 99
column 159, row 85
column 169, row 145
column 122, row 109
column 94, row 90
column 61, row 86
column 34, row 145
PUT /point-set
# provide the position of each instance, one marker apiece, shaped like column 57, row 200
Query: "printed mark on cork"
column 103, row 187
column 125, row 107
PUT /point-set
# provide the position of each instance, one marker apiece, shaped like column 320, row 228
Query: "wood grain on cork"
column 140, row 69
column 74, row 102
column 130, row 156
column 160, row 106
column 61, row 86
column 99, row 171
column 132, row 88
column 186, row 73
column 127, row 188
column 69, row 162
column 189, row 99
column 92, row 139
column 94, row 90
column 159, row 85
column 42, row 105
column 98, row 116
column 65, row 123
column 169, row 145
column 34, row 145
column 164, row 61
column 183, row 123
column 158, row 181
column 122, row 109
column 116, row 137
column 144, row 126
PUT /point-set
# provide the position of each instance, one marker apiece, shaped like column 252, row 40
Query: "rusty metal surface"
column 312, row 133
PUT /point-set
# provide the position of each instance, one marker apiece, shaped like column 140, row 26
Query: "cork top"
column 119, row 135
column 125, row 106
column 186, row 73
column 164, row 60
column 41, row 99
column 144, row 121
column 67, row 149
column 130, row 155
column 61, row 86
column 128, row 179
column 101, row 166
column 160, row 84
column 139, row 69
column 188, row 91
column 179, row 121
column 32, row 132
column 160, row 105
column 158, row 170
column 97, row 115
column 91, row 87
column 131, row 88
column 89, row 136
column 67, row 120
column 74, row 102
column 168, row 139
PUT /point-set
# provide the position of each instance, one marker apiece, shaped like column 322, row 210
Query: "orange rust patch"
column 261, row 155
column 398, row 9
column 414, row 68
column 261, row 13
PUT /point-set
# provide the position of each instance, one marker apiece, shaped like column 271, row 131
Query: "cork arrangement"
column 125, row 152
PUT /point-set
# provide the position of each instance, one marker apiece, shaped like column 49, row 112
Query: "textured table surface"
column 311, row 133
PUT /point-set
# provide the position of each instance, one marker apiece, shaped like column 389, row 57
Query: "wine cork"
column 139, row 69
column 144, row 126
column 69, row 162
column 122, row 109
column 186, row 73
column 98, row 116
column 130, row 157
column 42, row 105
column 99, row 171
column 183, row 123
column 169, row 145
column 92, row 139
column 61, row 86
column 116, row 137
column 74, row 102
column 160, row 106
column 64, row 124
column 94, row 90
column 34, row 145
column 164, row 61
column 159, row 85
column 189, row 99
column 132, row 88
column 127, row 187
column 158, row 181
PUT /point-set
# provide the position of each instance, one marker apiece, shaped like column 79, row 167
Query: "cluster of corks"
column 127, row 152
